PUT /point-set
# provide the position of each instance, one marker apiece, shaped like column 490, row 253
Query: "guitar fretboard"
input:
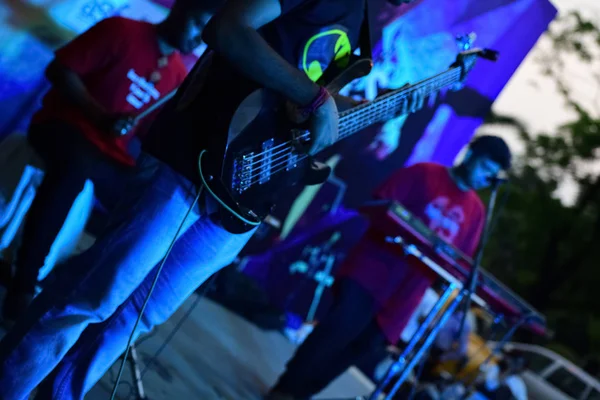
column 396, row 103
column 258, row 168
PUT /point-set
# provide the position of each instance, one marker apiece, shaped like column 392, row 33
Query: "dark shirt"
column 309, row 34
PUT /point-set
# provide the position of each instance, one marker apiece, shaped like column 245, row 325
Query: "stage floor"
column 217, row 355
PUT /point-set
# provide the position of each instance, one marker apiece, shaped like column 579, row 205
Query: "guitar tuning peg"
column 465, row 42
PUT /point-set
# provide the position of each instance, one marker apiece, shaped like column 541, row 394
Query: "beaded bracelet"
column 317, row 102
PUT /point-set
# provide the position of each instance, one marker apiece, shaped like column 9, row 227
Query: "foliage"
column 570, row 40
column 545, row 250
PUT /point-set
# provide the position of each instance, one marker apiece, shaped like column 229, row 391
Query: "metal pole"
column 471, row 285
column 400, row 365
column 454, row 284
column 428, row 341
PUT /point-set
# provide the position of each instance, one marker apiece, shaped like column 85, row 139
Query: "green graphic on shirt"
column 332, row 45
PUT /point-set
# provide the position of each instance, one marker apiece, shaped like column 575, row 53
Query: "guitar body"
column 240, row 177
column 259, row 162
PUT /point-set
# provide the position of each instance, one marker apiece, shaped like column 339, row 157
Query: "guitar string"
column 274, row 147
column 273, row 156
column 344, row 132
column 274, row 168
column 273, row 171
column 360, row 110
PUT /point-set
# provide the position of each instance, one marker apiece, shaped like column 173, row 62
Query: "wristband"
column 317, row 102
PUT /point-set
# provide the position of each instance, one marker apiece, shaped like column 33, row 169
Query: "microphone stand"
column 471, row 283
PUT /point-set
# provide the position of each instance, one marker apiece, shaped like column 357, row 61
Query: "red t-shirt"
column 115, row 59
column 398, row 284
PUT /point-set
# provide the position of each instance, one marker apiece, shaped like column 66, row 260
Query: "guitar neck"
column 395, row 103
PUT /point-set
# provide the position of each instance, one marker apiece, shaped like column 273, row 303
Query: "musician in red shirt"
column 377, row 290
column 100, row 81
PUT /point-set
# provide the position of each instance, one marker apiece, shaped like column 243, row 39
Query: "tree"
column 546, row 250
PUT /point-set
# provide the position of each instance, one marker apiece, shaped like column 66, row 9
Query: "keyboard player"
column 376, row 290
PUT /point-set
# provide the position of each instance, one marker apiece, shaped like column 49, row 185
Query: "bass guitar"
column 263, row 153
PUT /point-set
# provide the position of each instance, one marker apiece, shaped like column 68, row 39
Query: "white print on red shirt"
column 140, row 91
column 445, row 219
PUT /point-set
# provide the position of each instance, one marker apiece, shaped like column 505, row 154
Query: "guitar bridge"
column 253, row 168
column 242, row 172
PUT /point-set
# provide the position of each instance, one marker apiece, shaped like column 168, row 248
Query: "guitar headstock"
column 465, row 42
column 468, row 56
column 465, row 60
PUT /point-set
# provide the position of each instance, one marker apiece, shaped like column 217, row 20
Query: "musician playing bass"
column 100, row 81
column 376, row 290
column 80, row 324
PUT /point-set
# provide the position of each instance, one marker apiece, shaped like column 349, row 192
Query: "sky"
column 534, row 99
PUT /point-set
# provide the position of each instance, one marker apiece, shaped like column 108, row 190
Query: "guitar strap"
column 364, row 38
column 364, row 44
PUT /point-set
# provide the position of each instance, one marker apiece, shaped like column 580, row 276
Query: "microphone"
column 497, row 180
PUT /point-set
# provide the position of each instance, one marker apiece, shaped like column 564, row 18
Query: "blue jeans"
column 79, row 325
